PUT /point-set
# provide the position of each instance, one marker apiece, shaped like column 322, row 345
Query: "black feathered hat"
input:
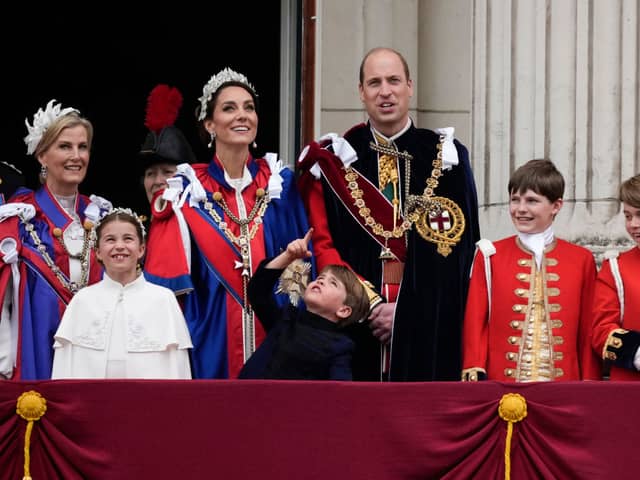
column 164, row 143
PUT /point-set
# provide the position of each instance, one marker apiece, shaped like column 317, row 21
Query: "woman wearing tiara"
column 216, row 222
column 123, row 326
column 45, row 244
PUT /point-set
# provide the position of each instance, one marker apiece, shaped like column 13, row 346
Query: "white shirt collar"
column 393, row 137
column 239, row 183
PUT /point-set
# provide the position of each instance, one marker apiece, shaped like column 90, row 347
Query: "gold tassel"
column 512, row 409
column 31, row 406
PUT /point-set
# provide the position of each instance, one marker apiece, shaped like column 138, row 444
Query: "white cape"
column 113, row 331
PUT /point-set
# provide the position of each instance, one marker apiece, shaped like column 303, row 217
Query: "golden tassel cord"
column 512, row 409
column 31, row 406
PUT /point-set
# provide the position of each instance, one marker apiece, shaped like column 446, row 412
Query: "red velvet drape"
column 228, row 429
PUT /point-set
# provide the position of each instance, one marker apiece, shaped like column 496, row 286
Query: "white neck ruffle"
column 537, row 242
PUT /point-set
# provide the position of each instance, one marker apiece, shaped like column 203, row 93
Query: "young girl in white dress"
column 122, row 326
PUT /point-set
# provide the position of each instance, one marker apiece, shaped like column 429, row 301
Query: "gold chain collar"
column 84, row 257
column 415, row 204
column 58, row 234
column 256, row 214
column 243, row 242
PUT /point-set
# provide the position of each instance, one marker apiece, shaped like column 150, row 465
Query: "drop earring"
column 43, row 172
column 254, row 145
column 213, row 139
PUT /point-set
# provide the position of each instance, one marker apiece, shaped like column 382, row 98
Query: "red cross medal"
column 442, row 224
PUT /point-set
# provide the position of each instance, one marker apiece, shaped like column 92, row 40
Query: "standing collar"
column 394, row 136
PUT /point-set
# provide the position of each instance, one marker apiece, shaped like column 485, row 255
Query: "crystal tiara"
column 224, row 76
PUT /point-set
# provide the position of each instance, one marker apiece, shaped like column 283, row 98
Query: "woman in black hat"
column 164, row 146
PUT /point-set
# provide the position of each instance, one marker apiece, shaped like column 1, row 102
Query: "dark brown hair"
column 356, row 297
column 540, row 176
column 205, row 136
column 630, row 191
column 123, row 217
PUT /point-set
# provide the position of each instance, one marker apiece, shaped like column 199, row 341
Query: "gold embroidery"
column 536, row 348
column 431, row 225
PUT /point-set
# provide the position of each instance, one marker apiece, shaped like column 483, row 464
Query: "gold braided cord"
column 512, row 408
column 31, row 406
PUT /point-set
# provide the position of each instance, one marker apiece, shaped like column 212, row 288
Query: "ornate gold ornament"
column 443, row 224
column 294, row 280
column 438, row 220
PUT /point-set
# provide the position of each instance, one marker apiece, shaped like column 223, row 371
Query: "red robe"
column 495, row 341
column 607, row 306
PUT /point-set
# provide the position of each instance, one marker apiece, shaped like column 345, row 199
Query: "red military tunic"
column 538, row 325
column 607, row 306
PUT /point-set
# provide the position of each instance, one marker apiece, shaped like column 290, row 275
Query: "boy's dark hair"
column 630, row 191
column 356, row 298
column 540, row 176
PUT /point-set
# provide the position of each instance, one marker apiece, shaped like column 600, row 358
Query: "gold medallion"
column 442, row 224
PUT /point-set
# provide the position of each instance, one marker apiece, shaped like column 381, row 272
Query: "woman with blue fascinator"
column 45, row 242
column 217, row 221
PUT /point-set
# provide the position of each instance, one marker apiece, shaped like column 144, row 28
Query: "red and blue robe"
column 42, row 298
column 211, row 281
